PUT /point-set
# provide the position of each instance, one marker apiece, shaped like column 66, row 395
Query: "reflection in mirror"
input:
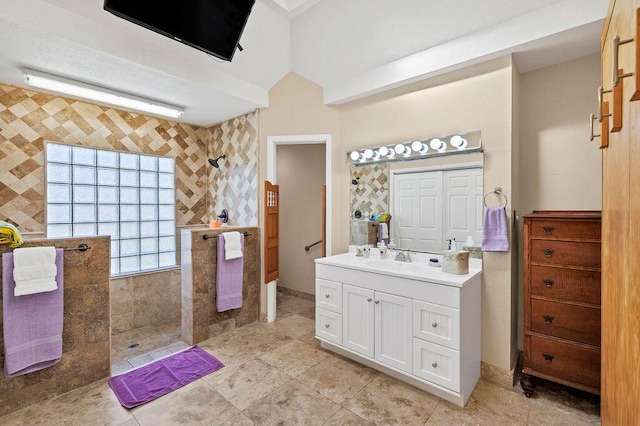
column 429, row 200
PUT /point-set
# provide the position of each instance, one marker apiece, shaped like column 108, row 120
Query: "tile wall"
column 370, row 194
column 86, row 338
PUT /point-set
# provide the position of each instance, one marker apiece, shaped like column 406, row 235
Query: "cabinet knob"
column 548, row 357
column 548, row 319
column 377, row 302
column 548, row 283
column 327, row 326
column 548, row 252
column 434, row 325
column 434, row 365
column 548, row 230
column 327, row 296
column 370, row 299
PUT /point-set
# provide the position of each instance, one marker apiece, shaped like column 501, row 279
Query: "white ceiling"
column 352, row 48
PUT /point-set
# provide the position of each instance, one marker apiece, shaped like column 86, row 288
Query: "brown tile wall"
column 86, row 337
column 200, row 319
column 371, row 194
column 146, row 299
column 29, row 118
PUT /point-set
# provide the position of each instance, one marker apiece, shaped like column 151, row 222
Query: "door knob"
column 327, row 326
column 548, row 252
column 548, row 283
column 327, row 296
column 434, row 365
column 434, row 325
column 548, row 319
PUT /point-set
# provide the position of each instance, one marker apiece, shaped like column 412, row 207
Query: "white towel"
column 385, row 230
column 232, row 245
column 34, row 270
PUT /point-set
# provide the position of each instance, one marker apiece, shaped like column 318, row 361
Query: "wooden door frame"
column 272, row 144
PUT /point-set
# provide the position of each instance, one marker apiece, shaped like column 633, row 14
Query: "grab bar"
column 306, row 248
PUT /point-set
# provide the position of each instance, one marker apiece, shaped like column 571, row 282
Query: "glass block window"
column 127, row 196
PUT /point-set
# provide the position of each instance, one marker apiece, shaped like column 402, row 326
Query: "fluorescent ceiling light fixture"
column 86, row 91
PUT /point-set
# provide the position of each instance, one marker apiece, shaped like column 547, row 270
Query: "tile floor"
column 277, row 374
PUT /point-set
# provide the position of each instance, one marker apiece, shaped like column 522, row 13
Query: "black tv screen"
column 213, row 26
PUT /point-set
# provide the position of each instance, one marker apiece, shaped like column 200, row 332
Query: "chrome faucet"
column 403, row 256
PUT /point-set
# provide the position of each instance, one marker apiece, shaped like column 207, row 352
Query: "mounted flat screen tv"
column 213, row 26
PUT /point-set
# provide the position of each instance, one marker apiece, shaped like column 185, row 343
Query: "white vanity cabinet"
column 422, row 329
column 377, row 325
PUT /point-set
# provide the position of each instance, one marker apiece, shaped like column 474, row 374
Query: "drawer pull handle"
column 327, row 296
column 377, row 302
column 548, row 319
column 548, row 283
column 369, row 299
column 548, row 357
column 548, row 230
column 434, row 325
column 434, row 365
column 327, row 326
column 548, row 252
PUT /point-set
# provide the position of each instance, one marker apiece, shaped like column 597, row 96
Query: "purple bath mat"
column 151, row 381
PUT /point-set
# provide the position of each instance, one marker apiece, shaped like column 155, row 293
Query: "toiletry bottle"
column 454, row 246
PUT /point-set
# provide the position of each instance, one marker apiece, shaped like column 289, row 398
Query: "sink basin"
column 418, row 268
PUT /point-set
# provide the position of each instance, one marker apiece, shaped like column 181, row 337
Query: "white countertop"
column 419, row 269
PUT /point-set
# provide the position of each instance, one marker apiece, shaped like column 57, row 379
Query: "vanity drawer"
column 329, row 326
column 567, row 321
column 329, row 295
column 437, row 324
column 436, row 364
column 583, row 230
column 564, row 360
column 566, row 253
column 565, row 284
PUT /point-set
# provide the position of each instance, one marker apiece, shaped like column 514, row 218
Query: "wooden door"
column 357, row 324
column 271, row 231
column 393, row 331
column 620, row 388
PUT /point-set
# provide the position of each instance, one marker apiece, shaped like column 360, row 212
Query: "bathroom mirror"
column 430, row 201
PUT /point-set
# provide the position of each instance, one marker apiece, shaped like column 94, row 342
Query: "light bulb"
column 383, row 150
column 368, row 153
column 416, row 146
column 399, row 148
column 438, row 145
column 354, row 155
column 458, row 141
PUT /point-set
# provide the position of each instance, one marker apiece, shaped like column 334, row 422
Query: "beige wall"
column 479, row 98
column 301, row 174
column 559, row 167
column 296, row 107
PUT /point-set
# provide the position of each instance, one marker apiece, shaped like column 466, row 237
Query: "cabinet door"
column 437, row 324
column 393, row 331
column 357, row 324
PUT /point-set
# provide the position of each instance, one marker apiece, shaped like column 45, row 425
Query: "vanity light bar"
column 426, row 148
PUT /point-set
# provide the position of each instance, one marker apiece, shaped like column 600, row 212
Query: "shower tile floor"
column 277, row 374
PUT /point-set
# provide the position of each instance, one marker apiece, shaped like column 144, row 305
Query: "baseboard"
column 296, row 293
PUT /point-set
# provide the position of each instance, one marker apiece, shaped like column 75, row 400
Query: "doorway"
column 273, row 142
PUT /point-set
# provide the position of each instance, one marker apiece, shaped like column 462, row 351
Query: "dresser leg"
column 528, row 386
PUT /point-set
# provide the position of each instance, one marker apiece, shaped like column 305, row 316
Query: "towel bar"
column 207, row 236
column 81, row 247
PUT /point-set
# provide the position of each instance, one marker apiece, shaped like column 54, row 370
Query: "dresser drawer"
column 572, row 322
column 565, row 284
column 329, row 326
column 437, row 324
column 564, row 360
column 329, row 295
column 436, row 364
column 565, row 253
column 584, row 230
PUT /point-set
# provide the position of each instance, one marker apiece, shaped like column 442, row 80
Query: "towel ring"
column 498, row 191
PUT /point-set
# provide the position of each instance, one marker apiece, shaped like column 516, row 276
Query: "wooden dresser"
column 562, row 299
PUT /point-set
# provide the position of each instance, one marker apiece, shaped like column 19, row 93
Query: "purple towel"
column 494, row 230
column 228, row 279
column 32, row 323
column 153, row 380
